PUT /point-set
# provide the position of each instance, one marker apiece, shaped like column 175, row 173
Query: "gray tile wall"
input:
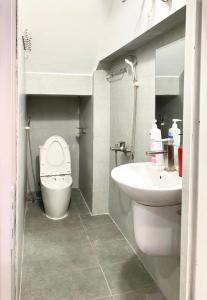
column 164, row 270
column 101, row 136
column 86, row 151
column 53, row 115
column 94, row 145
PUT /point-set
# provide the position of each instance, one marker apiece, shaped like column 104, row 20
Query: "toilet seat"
column 55, row 157
column 56, row 182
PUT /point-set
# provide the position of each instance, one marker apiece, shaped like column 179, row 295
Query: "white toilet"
column 55, row 177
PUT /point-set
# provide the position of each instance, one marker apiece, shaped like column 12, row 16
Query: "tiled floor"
column 82, row 257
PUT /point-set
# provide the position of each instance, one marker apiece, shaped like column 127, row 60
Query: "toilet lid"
column 55, row 157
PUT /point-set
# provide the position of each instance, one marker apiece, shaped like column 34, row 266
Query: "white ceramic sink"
column 148, row 185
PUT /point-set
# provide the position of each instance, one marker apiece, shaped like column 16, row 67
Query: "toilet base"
column 56, row 219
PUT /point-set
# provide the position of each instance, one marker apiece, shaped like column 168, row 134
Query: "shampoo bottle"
column 156, row 144
column 174, row 133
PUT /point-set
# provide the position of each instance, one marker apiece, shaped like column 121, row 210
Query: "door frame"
column 194, row 207
column 193, row 271
column 8, row 146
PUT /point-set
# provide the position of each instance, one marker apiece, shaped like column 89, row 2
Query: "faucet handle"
column 122, row 144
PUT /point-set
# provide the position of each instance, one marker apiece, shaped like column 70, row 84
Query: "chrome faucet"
column 121, row 147
column 168, row 154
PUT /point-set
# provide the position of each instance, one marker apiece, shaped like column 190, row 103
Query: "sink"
column 148, row 185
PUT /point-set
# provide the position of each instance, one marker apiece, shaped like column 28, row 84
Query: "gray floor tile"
column 73, row 210
column 35, row 210
column 91, row 284
column 94, row 221
column 43, row 223
column 82, row 208
column 63, row 235
column 113, row 251
column 78, row 202
column 60, row 262
column 77, row 256
column 104, row 232
column 53, row 282
column 75, row 193
column 147, row 294
column 127, row 276
column 104, row 298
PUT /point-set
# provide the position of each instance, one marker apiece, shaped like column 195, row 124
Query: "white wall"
column 164, row 270
column 53, row 115
column 73, row 36
column 66, row 35
column 132, row 18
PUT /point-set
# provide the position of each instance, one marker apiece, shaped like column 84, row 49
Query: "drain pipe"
column 132, row 62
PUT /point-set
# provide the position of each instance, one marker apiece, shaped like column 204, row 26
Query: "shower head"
column 132, row 61
column 127, row 61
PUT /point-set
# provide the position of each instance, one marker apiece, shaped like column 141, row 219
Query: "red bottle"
column 180, row 160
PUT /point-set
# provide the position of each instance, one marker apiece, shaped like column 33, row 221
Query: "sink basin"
column 148, row 185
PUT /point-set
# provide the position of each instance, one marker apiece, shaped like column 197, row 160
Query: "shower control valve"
column 121, row 147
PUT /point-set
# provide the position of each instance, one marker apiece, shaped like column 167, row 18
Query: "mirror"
column 169, row 85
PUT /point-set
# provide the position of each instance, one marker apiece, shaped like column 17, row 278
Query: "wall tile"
column 164, row 270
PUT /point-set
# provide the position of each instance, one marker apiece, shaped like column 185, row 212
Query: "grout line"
column 101, row 298
column 98, row 214
column 101, row 214
column 100, row 225
column 124, row 236
column 92, row 246
column 85, row 202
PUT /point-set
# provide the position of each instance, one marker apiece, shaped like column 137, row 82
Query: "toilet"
column 55, row 177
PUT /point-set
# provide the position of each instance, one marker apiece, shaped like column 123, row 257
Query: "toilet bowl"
column 55, row 177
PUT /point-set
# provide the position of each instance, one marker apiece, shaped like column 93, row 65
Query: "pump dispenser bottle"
column 156, row 144
column 174, row 133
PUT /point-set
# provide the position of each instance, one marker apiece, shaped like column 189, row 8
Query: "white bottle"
column 174, row 133
column 156, row 144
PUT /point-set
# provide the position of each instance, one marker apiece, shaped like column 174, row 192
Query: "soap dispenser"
column 156, row 144
column 174, row 133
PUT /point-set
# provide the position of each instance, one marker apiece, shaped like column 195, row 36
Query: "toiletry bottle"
column 174, row 133
column 180, row 159
column 156, row 144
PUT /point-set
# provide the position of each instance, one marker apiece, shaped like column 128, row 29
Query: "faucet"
column 168, row 154
column 121, row 146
